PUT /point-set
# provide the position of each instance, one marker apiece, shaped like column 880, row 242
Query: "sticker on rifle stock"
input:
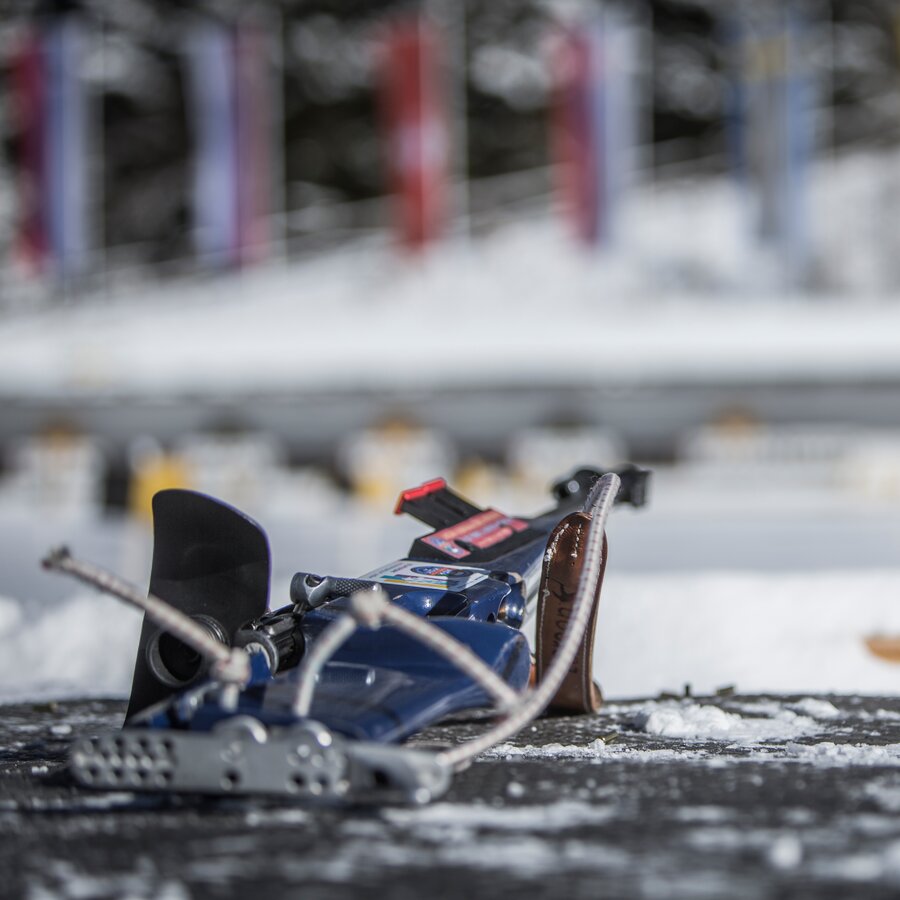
column 481, row 531
column 427, row 575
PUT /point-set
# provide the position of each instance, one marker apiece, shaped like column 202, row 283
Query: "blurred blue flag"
column 772, row 129
column 595, row 122
column 230, row 115
column 51, row 106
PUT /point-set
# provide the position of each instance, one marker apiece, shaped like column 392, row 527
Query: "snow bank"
column 82, row 647
column 763, row 633
column 661, row 307
column 247, row 348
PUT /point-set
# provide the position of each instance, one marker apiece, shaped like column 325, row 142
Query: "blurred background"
column 304, row 254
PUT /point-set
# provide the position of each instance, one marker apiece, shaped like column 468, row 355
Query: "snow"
column 786, row 852
column 551, row 816
column 71, row 883
column 863, row 867
column 885, row 794
column 595, row 751
column 591, row 750
column 829, row 754
column 825, row 754
column 816, row 708
column 692, row 721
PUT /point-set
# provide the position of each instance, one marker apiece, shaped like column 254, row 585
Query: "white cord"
column 314, row 660
column 228, row 664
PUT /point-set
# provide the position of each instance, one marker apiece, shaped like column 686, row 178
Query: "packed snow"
column 688, row 720
column 697, row 722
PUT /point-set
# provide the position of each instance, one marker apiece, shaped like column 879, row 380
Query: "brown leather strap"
column 563, row 563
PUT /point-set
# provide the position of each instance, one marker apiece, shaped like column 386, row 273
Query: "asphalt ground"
column 638, row 814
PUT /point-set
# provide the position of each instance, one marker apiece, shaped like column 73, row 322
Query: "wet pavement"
column 732, row 796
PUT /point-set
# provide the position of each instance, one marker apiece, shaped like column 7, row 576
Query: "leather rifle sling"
column 563, row 564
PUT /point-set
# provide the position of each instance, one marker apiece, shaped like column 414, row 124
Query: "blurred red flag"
column 415, row 120
column 28, row 96
column 576, row 145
